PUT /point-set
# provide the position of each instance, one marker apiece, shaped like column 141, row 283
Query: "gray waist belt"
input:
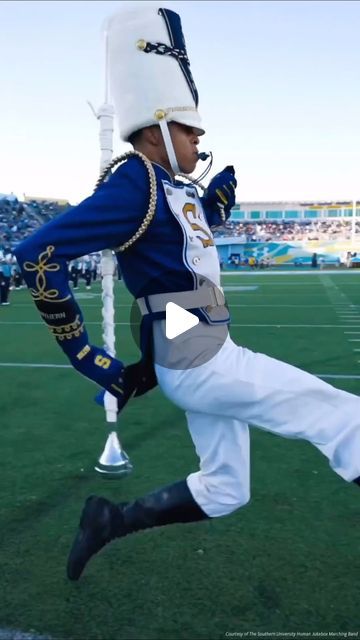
column 208, row 297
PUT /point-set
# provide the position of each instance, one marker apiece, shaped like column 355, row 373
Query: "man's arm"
column 104, row 220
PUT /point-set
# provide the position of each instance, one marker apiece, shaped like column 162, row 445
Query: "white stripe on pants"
column 240, row 385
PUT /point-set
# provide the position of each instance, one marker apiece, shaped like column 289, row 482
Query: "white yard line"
column 87, row 306
column 33, row 365
column 313, row 272
column 251, row 306
column 299, row 284
column 68, row 366
column 18, row 322
column 233, row 324
column 334, row 376
column 345, row 315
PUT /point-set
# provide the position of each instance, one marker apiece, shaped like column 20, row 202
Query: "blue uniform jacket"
column 105, row 220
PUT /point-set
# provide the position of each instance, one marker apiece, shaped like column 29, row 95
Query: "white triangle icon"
column 178, row 320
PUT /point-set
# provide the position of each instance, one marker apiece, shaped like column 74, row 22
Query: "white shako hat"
column 149, row 73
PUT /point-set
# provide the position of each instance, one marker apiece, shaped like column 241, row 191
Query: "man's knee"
column 218, row 498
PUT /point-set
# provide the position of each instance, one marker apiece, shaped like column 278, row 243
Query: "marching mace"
column 113, row 462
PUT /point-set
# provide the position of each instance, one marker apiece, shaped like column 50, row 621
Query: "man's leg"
column 2, row 289
column 88, row 278
column 276, row 397
column 222, row 483
column 218, row 488
column 102, row 521
column 7, row 290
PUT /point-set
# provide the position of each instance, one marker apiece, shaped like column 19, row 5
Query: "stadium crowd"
column 19, row 219
column 282, row 231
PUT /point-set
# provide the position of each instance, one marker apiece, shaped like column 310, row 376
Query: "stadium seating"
column 263, row 231
column 19, row 219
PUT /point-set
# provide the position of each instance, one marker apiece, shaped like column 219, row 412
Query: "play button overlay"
column 178, row 320
column 185, row 332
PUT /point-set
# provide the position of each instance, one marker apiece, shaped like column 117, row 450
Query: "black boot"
column 101, row 520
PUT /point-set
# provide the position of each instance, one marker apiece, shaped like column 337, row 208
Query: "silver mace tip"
column 113, row 462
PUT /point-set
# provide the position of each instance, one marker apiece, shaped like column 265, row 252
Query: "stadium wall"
column 287, row 253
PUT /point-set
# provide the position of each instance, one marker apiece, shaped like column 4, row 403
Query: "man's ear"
column 153, row 136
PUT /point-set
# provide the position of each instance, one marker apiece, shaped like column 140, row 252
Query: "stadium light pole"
column 113, row 461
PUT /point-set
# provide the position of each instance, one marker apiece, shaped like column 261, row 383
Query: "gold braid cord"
column 191, row 181
column 153, row 195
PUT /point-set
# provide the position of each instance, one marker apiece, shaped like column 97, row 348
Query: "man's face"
column 185, row 141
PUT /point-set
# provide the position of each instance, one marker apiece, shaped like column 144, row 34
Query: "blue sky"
column 278, row 83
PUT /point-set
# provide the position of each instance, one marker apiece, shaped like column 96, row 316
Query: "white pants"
column 238, row 387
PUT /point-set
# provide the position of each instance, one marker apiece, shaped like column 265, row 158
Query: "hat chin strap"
column 169, row 146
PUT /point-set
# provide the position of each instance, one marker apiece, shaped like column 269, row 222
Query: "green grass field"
column 288, row 562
